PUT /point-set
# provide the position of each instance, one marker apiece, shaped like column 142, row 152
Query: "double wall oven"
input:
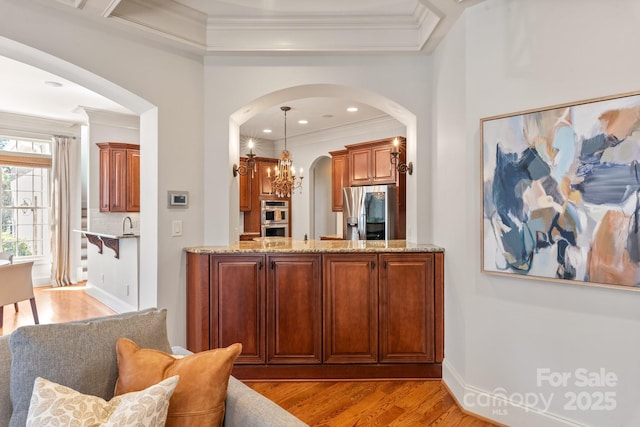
column 274, row 218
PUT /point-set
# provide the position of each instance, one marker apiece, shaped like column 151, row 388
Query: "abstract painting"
column 561, row 192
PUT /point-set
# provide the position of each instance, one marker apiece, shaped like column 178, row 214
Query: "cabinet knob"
column 373, row 265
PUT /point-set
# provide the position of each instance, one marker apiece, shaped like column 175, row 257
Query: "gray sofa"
column 81, row 355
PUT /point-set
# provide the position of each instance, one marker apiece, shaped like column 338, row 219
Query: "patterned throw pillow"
column 199, row 399
column 56, row 405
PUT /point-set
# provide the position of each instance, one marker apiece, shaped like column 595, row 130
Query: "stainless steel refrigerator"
column 369, row 212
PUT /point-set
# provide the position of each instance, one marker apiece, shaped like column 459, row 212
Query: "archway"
column 280, row 97
column 320, row 198
column 148, row 142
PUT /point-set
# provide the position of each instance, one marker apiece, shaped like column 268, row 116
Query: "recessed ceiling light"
column 53, row 84
column 303, row 122
column 266, row 130
column 352, row 109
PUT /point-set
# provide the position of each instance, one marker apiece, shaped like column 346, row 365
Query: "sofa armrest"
column 248, row 408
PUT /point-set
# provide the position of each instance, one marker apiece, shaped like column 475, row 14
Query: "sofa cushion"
column 80, row 355
column 56, row 405
column 200, row 395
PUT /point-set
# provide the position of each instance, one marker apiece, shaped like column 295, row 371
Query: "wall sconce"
column 401, row 166
column 249, row 165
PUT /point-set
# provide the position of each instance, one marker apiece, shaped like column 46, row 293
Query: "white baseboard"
column 493, row 405
column 109, row 300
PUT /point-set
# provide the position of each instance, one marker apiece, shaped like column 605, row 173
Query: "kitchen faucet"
column 124, row 220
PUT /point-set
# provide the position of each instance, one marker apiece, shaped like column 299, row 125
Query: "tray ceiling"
column 322, row 26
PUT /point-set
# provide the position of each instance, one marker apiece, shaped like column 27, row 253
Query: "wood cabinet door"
column 407, row 308
column 339, row 178
column 133, row 181
column 383, row 171
column 350, row 308
column 105, row 182
column 238, row 305
column 198, row 327
column 360, row 167
column 245, row 188
column 264, row 187
column 294, row 309
column 117, row 180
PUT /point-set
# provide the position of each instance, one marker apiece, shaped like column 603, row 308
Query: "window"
column 24, row 197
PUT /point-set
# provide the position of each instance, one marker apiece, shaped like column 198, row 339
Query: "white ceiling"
column 25, row 91
column 214, row 26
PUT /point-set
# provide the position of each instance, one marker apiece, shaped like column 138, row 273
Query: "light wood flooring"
column 318, row 403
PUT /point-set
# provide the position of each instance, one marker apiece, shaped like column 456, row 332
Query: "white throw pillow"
column 56, row 405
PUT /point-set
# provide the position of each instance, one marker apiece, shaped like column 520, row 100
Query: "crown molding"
column 167, row 19
column 24, row 126
column 77, row 4
column 109, row 118
column 260, row 33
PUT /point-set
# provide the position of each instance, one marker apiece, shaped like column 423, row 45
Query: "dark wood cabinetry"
column 237, row 305
column 339, row 177
column 350, row 308
column 265, row 168
column 119, row 177
column 310, row 315
column 259, row 188
column 407, row 308
column 245, row 187
column 294, row 309
column 370, row 163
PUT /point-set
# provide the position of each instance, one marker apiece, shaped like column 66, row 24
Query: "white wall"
column 165, row 87
column 505, row 56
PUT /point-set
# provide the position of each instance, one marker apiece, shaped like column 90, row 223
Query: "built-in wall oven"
column 274, row 215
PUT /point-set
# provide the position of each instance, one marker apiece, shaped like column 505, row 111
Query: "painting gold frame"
column 561, row 192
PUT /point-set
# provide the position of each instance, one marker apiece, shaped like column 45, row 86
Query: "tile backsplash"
column 111, row 222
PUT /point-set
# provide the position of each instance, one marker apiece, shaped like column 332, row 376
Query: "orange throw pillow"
column 199, row 397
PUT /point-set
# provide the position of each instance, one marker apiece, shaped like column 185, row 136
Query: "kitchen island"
column 320, row 309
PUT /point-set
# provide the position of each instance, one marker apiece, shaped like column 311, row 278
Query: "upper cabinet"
column 265, row 168
column 119, row 177
column 339, row 177
column 370, row 163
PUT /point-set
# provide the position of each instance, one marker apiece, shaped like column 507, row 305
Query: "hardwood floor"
column 369, row 403
column 55, row 305
column 318, row 403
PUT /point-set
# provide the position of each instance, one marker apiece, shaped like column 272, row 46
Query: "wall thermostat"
column 178, row 199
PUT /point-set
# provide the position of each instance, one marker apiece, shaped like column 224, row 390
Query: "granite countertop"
column 287, row 244
column 109, row 234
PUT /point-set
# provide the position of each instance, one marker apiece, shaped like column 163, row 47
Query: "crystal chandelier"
column 283, row 180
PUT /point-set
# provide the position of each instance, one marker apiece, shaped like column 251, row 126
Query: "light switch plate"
column 176, row 228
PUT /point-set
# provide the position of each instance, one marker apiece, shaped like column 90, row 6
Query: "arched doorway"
column 148, row 141
column 281, row 97
column 320, row 219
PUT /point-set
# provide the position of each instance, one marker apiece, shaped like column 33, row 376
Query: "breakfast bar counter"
column 289, row 245
column 320, row 309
